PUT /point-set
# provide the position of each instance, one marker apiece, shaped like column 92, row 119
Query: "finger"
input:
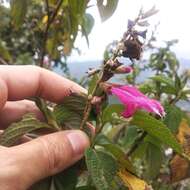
column 21, row 82
column 13, row 112
column 48, row 155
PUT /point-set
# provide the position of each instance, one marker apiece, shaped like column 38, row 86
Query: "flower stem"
column 88, row 107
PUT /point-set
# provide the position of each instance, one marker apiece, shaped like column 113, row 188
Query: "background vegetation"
column 142, row 152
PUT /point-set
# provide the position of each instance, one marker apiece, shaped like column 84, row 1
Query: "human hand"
column 24, row 164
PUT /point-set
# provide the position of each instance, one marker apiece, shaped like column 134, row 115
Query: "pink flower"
column 133, row 100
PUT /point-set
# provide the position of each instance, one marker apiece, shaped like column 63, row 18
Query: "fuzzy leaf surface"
column 156, row 129
column 16, row 130
column 102, row 168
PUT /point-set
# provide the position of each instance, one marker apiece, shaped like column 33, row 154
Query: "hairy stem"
column 88, row 107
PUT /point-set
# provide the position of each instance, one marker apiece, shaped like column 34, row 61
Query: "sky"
column 173, row 17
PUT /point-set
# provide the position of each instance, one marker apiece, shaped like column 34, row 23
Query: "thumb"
column 49, row 154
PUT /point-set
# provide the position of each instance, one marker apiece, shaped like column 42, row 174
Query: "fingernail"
column 79, row 141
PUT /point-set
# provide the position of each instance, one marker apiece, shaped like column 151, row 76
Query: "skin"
column 24, row 164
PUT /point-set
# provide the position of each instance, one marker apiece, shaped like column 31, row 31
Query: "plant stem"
column 90, row 97
column 173, row 101
column 89, row 105
column 49, row 22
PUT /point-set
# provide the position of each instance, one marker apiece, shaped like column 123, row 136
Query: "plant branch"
column 88, row 107
column 47, row 7
column 49, row 22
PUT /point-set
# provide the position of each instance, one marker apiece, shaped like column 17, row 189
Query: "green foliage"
column 43, row 184
column 156, row 129
column 18, row 11
column 108, row 112
column 173, row 118
column 16, row 130
column 131, row 134
column 92, row 83
column 122, row 150
column 168, row 83
column 120, row 156
column 102, row 168
column 106, row 10
column 153, row 159
column 32, row 26
column 66, row 179
column 4, row 53
column 70, row 111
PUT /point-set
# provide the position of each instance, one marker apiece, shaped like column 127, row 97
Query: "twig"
column 88, row 106
column 47, row 7
column 49, row 22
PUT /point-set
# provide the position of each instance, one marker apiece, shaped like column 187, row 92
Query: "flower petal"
column 129, row 110
column 133, row 99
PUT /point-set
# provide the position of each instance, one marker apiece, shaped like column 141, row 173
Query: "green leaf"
column 173, row 118
column 86, row 188
column 178, row 83
column 92, row 83
column 67, row 117
column 87, row 25
column 140, row 152
column 153, row 161
column 16, row 130
column 18, row 11
column 120, row 156
column 44, row 184
column 47, row 112
column 101, row 139
column 108, row 112
column 168, row 90
column 106, row 11
column 156, row 129
column 154, row 141
column 66, row 180
column 70, row 111
column 164, row 80
column 4, row 53
column 102, row 168
column 75, row 102
column 131, row 134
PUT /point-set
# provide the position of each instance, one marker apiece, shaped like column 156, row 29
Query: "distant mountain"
column 78, row 69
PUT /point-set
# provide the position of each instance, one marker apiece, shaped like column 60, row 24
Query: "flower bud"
column 131, row 24
column 106, row 87
column 123, row 69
